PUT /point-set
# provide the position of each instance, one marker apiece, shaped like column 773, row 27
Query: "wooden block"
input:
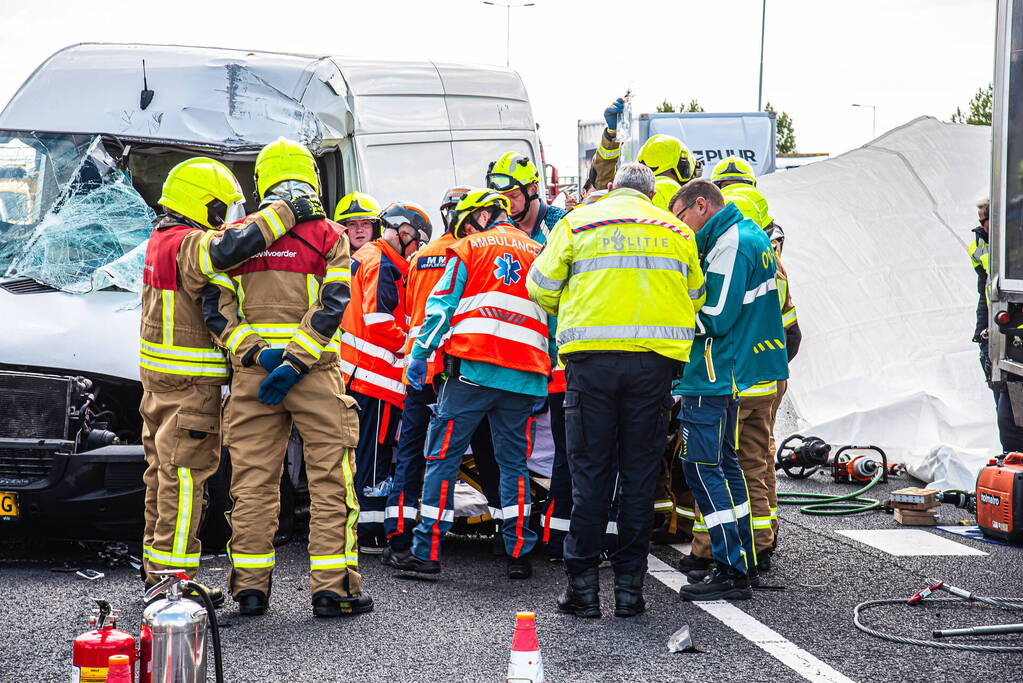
column 916, row 518
column 913, row 498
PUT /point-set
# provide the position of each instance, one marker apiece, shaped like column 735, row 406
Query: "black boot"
column 407, row 562
column 519, row 568
column 251, row 602
column 330, row 604
column 764, row 559
column 629, row 595
column 721, row 583
column 582, row 598
column 691, row 563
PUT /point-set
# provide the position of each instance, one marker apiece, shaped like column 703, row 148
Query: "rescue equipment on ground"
column 801, row 456
column 92, row 650
column 961, row 597
column 999, row 499
column 525, row 664
column 915, row 506
column 172, row 644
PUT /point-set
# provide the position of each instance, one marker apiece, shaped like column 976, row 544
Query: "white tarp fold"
column 876, row 253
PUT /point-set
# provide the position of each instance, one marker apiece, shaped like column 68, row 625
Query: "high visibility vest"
column 751, row 193
column 174, row 339
column 496, row 321
column 425, row 271
column 980, row 254
column 372, row 343
column 664, row 189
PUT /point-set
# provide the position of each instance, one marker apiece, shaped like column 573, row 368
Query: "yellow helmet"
column 664, row 189
column 733, row 168
column 357, row 205
column 201, row 189
column 473, row 201
column 665, row 153
column 285, row 160
column 511, row 171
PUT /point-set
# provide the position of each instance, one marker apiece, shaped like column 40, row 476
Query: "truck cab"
column 85, row 145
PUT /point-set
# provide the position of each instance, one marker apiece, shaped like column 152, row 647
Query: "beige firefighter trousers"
column 257, row 436
column 181, row 439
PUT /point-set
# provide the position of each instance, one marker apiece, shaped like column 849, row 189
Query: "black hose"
column 211, row 611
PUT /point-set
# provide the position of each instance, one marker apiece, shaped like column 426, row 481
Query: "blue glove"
column 540, row 405
column 612, row 114
column 278, row 383
column 270, row 358
column 416, row 373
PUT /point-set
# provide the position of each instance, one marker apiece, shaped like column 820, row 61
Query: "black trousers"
column 616, row 419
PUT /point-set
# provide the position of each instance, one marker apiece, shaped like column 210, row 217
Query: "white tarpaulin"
column 876, row 253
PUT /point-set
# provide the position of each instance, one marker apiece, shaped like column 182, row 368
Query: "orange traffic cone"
column 525, row 664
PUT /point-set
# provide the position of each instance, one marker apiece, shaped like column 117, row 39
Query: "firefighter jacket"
column 374, row 327
column 604, row 162
column 481, row 305
column 752, row 194
column 177, row 294
column 621, row 275
column 424, row 273
column 291, row 296
column 980, row 259
column 740, row 340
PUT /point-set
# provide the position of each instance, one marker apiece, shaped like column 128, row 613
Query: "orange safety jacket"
column 425, row 270
column 374, row 325
column 496, row 321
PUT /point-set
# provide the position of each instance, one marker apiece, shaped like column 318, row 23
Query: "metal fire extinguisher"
column 91, row 651
column 172, row 643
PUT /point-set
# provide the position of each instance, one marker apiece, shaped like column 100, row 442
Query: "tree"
column 667, row 107
column 980, row 108
column 786, row 138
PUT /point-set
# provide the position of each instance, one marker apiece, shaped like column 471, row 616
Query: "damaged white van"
column 85, row 145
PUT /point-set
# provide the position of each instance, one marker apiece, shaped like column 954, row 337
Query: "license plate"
column 8, row 505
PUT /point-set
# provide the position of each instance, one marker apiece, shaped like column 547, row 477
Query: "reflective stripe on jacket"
column 425, row 271
column 375, row 327
column 621, row 275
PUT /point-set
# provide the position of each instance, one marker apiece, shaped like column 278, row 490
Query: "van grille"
column 26, row 285
column 32, row 406
column 25, row 464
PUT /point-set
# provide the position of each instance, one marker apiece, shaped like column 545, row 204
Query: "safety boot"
column 330, row 604
column 691, row 562
column 721, row 583
column 252, row 602
column 407, row 562
column 764, row 559
column 629, row 595
column 519, row 568
column 582, row 596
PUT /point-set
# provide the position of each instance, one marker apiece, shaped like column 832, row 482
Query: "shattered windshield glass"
column 69, row 217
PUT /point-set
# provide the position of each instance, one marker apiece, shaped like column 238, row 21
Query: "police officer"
column 623, row 277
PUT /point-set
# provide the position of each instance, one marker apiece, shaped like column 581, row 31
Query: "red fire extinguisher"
column 91, row 652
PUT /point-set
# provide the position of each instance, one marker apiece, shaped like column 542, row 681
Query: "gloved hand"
column 612, row 114
column 278, row 383
column 270, row 358
column 306, row 208
column 416, row 373
column 540, row 405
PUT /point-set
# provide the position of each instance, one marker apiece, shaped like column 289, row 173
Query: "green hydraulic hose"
column 823, row 504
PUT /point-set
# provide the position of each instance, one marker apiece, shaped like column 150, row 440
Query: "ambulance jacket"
column 482, row 304
column 374, row 327
column 740, row 339
column 291, row 296
column 175, row 345
column 789, row 321
column 424, row 272
column 621, row 275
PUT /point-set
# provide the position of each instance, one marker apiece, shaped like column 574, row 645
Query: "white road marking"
column 764, row 637
column 905, row 542
column 684, row 548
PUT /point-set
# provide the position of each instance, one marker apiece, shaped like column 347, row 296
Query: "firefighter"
column 498, row 363
column 736, row 180
column 759, row 403
column 279, row 316
column 670, row 160
column 359, row 213
column 621, row 354
column 182, row 371
column 740, row 343
column 375, row 328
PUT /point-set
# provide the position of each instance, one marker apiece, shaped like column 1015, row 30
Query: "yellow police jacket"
column 621, row 275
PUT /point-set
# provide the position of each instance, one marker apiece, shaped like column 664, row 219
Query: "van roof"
column 241, row 100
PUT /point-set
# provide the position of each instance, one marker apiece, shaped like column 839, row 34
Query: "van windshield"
column 69, row 218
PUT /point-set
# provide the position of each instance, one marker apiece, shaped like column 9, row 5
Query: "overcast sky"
column 907, row 57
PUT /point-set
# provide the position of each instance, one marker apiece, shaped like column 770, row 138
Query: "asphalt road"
column 458, row 628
